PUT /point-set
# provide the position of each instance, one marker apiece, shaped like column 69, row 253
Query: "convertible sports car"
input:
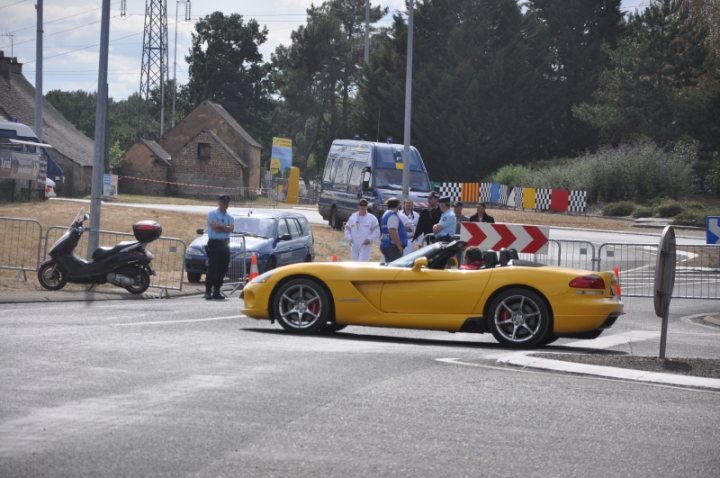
column 522, row 303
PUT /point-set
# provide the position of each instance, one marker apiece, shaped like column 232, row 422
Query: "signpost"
column 664, row 281
column 524, row 238
column 713, row 229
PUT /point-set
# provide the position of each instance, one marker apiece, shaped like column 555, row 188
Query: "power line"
column 11, row 4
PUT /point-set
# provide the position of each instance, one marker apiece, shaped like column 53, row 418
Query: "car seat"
column 490, row 259
column 504, row 257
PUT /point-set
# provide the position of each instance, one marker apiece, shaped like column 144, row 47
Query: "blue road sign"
column 713, row 229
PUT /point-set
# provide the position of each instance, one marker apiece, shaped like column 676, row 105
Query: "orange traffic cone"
column 253, row 268
column 334, row 258
column 618, row 289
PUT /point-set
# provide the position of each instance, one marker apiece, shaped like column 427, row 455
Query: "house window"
column 203, row 152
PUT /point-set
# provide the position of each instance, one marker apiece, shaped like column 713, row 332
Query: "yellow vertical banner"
column 293, row 185
column 528, row 199
column 280, row 155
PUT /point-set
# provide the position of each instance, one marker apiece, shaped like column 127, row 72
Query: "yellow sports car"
column 522, row 303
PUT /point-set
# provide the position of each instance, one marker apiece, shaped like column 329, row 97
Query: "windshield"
column 255, row 226
column 392, row 179
column 79, row 217
column 407, row 260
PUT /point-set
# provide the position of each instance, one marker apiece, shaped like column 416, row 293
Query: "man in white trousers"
column 409, row 219
column 363, row 231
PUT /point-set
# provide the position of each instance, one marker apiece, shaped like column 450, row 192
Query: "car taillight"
column 588, row 282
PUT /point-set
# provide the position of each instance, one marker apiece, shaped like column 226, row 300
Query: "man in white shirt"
column 410, row 219
column 362, row 230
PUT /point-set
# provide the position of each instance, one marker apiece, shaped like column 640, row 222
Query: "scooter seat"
column 102, row 252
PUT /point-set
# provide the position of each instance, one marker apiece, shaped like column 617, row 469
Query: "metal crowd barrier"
column 697, row 273
column 21, row 239
column 169, row 252
column 239, row 263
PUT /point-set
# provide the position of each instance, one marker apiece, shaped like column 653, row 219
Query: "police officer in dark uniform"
column 220, row 225
column 428, row 217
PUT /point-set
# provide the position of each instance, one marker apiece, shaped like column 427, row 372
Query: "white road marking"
column 179, row 321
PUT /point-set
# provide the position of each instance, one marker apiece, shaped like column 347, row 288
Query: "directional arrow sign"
column 713, row 229
column 524, row 238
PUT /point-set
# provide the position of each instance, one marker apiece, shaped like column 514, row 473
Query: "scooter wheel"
column 141, row 283
column 50, row 276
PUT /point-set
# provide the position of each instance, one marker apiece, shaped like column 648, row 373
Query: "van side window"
column 341, row 173
column 355, row 177
column 329, row 169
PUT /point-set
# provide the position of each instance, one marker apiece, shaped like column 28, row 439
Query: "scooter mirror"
column 200, row 231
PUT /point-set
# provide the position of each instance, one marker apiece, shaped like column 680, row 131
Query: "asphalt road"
column 186, row 387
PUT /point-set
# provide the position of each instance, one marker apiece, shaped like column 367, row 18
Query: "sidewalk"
column 82, row 294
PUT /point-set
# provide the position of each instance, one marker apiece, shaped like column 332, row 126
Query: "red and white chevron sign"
column 529, row 239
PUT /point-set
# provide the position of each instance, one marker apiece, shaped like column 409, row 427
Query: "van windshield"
column 392, row 179
column 388, row 176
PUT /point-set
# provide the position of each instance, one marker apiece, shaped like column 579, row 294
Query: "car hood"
column 251, row 243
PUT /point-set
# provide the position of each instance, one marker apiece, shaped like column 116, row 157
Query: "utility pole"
column 100, row 115
column 408, row 105
column 187, row 19
column 39, row 73
column 367, row 32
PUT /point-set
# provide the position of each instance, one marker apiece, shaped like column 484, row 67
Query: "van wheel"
column 335, row 220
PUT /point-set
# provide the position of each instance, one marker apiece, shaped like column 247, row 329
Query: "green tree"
column 77, row 106
column 227, row 67
column 662, row 82
column 317, row 75
column 578, row 30
column 477, row 98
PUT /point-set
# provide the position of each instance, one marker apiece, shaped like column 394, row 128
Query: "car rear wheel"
column 301, row 305
column 519, row 318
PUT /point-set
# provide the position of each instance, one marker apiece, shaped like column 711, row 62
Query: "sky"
column 72, row 36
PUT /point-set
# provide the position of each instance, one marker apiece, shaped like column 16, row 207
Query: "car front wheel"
column 519, row 318
column 301, row 305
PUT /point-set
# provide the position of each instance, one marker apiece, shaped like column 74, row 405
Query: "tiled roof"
column 157, row 150
column 234, row 124
column 17, row 98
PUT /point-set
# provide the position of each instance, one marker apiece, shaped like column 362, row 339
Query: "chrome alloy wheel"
column 520, row 317
column 301, row 305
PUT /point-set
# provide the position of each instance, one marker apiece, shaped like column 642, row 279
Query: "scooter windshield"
column 80, row 217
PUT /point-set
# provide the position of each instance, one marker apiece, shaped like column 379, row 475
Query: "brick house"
column 204, row 153
column 71, row 149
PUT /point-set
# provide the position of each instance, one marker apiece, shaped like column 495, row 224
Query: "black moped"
column 125, row 265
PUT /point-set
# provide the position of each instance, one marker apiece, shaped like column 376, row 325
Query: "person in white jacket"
column 362, row 230
column 409, row 219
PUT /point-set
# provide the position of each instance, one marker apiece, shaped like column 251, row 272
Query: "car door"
column 430, row 291
column 299, row 251
column 283, row 248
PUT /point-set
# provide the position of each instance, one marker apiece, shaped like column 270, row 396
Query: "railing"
column 169, row 252
column 21, row 240
column 697, row 273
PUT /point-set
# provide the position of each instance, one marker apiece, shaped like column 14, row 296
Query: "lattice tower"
column 154, row 73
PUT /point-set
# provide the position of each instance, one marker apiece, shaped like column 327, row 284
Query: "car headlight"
column 262, row 278
column 192, row 251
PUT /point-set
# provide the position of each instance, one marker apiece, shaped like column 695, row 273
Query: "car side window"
column 282, row 227
column 295, row 229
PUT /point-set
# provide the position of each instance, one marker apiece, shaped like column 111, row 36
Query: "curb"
column 523, row 360
column 712, row 319
column 88, row 296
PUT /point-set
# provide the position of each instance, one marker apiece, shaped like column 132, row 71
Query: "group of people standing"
column 402, row 229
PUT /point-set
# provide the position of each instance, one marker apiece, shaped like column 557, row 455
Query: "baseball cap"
column 363, row 202
column 224, row 198
column 445, row 200
column 457, row 204
column 434, row 194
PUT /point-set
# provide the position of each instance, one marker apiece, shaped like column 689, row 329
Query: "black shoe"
column 219, row 296
column 207, row 295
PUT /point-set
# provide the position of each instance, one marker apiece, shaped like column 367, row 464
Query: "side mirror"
column 419, row 263
column 366, row 174
column 285, row 237
column 200, row 231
